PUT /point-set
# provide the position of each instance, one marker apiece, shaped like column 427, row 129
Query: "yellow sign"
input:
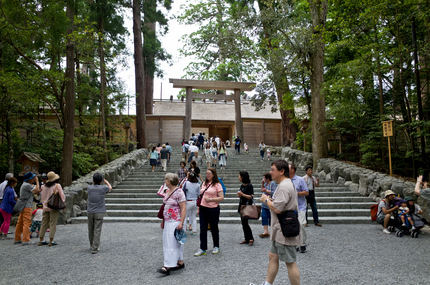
column 388, row 128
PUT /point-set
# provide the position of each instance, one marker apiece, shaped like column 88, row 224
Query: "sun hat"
column 409, row 198
column 164, row 145
column 52, row 176
column 29, row 175
column 181, row 236
column 389, row 192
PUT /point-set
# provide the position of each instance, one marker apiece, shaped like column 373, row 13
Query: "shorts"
column 380, row 219
column 286, row 253
column 35, row 226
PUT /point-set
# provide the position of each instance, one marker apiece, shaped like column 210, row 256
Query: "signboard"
column 388, row 128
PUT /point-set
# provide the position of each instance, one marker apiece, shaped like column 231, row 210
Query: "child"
column 268, row 154
column 245, row 146
column 37, row 219
column 404, row 213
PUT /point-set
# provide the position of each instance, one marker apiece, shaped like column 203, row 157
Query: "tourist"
column 169, row 148
column 268, row 187
column 209, row 211
column 37, row 219
column 158, row 149
column 196, row 169
column 182, row 172
column 311, row 183
column 246, row 195
column 197, row 158
column 385, row 209
column 222, row 154
column 192, row 192
column 227, row 143
column 262, row 147
column 28, row 188
column 237, row 142
column 6, row 207
column 192, row 150
column 201, row 141
column 50, row 216
column 283, row 248
column 183, row 142
column 302, row 192
column 164, row 153
column 425, row 192
column 414, row 211
column 208, row 154
column 269, row 153
column 153, row 157
column 3, row 186
column 214, row 151
column 185, row 148
column 173, row 218
column 96, row 209
column 245, row 146
column 217, row 140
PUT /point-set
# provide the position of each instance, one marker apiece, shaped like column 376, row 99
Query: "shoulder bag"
column 199, row 200
column 289, row 222
column 250, row 212
column 54, row 202
column 19, row 206
column 162, row 191
column 161, row 211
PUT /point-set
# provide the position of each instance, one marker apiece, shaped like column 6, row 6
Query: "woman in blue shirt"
column 153, row 158
column 7, row 205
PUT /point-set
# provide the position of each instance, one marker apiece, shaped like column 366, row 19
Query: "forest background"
column 344, row 66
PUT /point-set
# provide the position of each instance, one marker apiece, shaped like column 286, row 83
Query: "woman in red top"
column 209, row 211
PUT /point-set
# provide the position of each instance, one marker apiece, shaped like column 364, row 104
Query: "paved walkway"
column 131, row 253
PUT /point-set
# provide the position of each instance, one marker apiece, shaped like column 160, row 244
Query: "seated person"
column 385, row 210
column 404, row 215
column 414, row 211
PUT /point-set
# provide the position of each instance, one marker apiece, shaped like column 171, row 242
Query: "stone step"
column 231, row 220
column 229, row 206
column 233, row 212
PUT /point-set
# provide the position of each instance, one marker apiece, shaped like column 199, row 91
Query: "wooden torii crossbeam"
column 189, row 85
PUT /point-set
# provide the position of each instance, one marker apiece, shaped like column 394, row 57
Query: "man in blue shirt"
column 185, row 148
column 302, row 191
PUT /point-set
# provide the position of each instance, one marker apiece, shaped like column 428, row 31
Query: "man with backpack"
column 385, row 210
column 185, row 149
column 237, row 142
column 283, row 248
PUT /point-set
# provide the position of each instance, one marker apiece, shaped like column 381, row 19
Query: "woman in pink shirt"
column 50, row 216
column 209, row 211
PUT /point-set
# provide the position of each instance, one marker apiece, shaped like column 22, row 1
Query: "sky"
column 171, row 42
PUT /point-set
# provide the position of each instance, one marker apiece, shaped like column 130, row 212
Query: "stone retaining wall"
column 114, row 172
column 364, row 181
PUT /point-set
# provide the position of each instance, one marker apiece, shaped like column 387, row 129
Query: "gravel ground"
column 130, row 253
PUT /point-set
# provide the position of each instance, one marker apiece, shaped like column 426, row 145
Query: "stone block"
column 397, row 188
column 335, row 174
column 328, row 177
column 76, row 211
column 341, row 181
column 83, row 204
column 355, row 177
column 354, row 187
column 347, row 172
column 363, row 184
column 347, row 183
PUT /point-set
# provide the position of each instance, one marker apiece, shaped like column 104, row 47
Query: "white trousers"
column 164, row 164
column 192, row 215
column 302, row 221
column 172, row 249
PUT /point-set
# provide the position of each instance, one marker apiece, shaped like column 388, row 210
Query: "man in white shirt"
column 193, row 148
column 2, row 188
column 217, row 141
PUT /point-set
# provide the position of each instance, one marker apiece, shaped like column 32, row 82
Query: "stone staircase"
column 135, row 199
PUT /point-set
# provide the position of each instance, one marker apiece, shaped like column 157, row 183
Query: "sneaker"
column 17, row 242
column 94, row 251
column 6, row 237
column 303, row 249
column 386, row 231
column 200, row 252
column 413, row 227
column 403, row 225
column 28, row 243
column 216, row 250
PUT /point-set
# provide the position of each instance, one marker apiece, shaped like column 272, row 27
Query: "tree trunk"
column 69, row 105
column 103, row 89
column 11, row 160
column 139, row 79
column 149, row 62
column 318, row 10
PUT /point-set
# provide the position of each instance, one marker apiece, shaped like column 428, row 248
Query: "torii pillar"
column 238, row 117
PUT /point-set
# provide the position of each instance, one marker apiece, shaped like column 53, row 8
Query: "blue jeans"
column 262, row 154
column 313, row 203
column 265, row 217
column 237, row 147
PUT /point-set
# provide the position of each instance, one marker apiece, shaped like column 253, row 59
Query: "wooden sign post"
column 388, row 132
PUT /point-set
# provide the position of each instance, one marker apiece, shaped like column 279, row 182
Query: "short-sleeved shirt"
column 272, row 188
column 154, row 155
column 26, row 194
column 196, row 170
column 300, row 185
column 96, row 198
column 193, row 148
column 192, row 190
column 182, row 173
column 164, row 151
column 169, row 148
column 212, row 192
column 172, row 211
column 185, row 147
column 284, row 199
column 382, row 204
column 425, row 194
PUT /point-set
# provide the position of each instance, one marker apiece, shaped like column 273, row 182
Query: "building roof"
column 31, row 156
column 210, row 111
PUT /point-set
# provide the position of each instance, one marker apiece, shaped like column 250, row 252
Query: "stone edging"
column 114, row 172
column 364, row 181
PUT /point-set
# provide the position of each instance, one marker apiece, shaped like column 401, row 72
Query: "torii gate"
column 189, row 85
